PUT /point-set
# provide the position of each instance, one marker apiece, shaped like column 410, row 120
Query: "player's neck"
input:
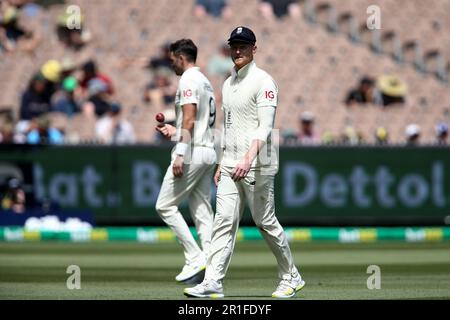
column 189, row 66
column 243, row 70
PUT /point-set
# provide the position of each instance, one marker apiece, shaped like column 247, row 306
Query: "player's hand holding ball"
column 160, row 117
column 165, row 129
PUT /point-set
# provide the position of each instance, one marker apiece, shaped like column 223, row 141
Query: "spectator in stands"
column 7, row 133
column 215, row 8
column 89, row 72
column 36, row 99
column 393, row 90
column 64, row 100
column 14, row 197
column 6, row 124
column 18, row 29
column 9, row 32
column 98, row 96
column 51, row 70
column 365, row 93
column 381, row 136
column 21, row 129
column 412, row 134
column 277, row 9
column 42, row 132
column 307, row 135
column 73, row 37
column 328, row 138
column 113, row 129
column 289, row 137
column 221, row 64
column 88, row 111
column 351, row 136
column 441, row 133
column 161, row 90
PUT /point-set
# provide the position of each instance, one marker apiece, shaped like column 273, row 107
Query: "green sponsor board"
column 365, row 181
column 160, row 235
column 124, row 182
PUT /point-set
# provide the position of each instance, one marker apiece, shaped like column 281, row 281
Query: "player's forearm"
column 187, row 125
column 266, row 117
column 187, row 129
column 219, row 158
column 254, row 150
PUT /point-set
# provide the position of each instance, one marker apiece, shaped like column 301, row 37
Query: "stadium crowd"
column 60, row 91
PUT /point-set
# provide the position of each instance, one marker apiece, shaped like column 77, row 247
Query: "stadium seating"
column 314, row 66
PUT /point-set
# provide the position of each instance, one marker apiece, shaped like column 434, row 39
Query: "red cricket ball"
column 160, row 117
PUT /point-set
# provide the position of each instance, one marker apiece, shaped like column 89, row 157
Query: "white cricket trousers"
column 194, row 185
column 257, row 190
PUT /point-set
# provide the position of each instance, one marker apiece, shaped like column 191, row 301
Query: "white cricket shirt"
column 195, row 88
column 242, row 93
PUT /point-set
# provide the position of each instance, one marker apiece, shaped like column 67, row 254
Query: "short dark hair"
column 90, row 67
column 367, row 81
column 185, row 47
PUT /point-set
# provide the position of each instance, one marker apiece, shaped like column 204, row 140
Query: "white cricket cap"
column 412, row 130
column 307, row 116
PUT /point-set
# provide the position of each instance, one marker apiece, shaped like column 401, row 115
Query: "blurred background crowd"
column 340, row 83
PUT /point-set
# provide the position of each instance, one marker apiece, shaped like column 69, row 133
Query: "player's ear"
column 184, row 59
column 254, row 49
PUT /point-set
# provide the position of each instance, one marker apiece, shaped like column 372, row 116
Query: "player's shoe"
column 206, row 289
column 289, row 286
column 191, row 269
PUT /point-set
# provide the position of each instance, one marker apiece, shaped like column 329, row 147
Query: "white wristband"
column 181, row 148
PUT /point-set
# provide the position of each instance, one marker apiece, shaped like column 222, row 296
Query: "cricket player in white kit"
column 249, row 105
column 193, row 159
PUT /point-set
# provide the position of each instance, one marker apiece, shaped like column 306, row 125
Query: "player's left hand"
column 241, row 170
column 177, row 167
column 167, row 130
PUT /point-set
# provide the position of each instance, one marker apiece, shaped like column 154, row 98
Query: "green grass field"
column 116, row 270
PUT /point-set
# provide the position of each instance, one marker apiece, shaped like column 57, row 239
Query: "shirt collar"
column 242, row 73
column 191, row 69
